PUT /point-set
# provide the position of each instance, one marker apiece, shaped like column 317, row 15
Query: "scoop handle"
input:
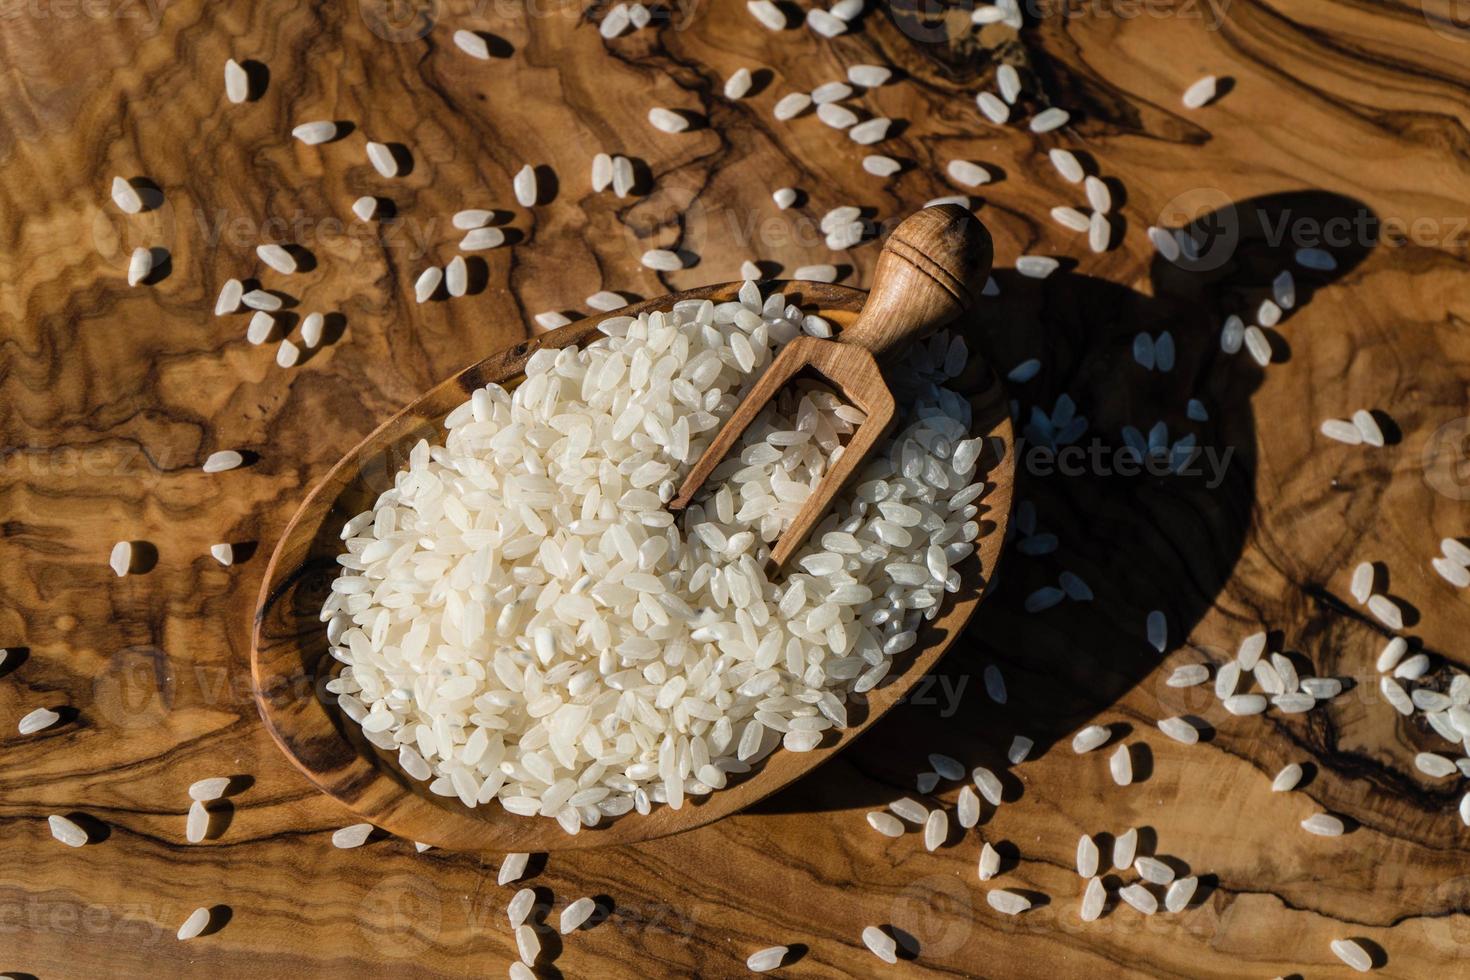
column 931, row 270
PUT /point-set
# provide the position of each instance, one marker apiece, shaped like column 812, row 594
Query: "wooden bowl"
column 290, row 664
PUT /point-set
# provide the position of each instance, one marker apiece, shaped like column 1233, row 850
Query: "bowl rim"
column 313, row 734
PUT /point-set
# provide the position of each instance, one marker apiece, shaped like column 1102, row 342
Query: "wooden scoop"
column 289, row 661
column 931, row 270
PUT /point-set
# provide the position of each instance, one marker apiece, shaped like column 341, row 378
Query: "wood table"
column 1337, row 120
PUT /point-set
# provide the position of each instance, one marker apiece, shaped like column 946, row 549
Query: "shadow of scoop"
column 1136, row 477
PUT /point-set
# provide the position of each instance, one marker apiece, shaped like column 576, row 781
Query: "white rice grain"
column 518, row 909
column 1140, row 898
column 880, row 944
column 39, row 719
column 881, row 166
column 277, row 257
column 1036, row 266
column 316, row 132
column 1394, row 694
column 1386, row 611
column 1199, row 93
column 836, row 116
column 229, row 297
column 528, row 944
column 525, row 187
column 140, row 265
column 222, row 460
column 1087, row 856
column 196, row 823
column 1353, row 954
column 1179, row 730
column 472, row 44
column 1007, row 902
column 262, row 325
column 868, row 76
column 825, row 23
column 1049, row 119
column 259, row 299
column 738, row 84
column 1180, row 894
column 870, row 131
column 989, row 862
column 1434, row 765
column 1157, row 629
column 67, row 831
column 1120, row 765
column 765, row 960
column 936, row 830
column 1287, row 779
column 988, row 784
column 237, row 82
column 1341, row 431
column 994, row 109
column 1066, row 164
column 427, row 283
column 512, row 867
column 791, row 106
column 602, row 172
column 480, row 239
column 667, row 121
column 1413, row 668
column 575, row 914
column 121, row 558
column 1368, row 427
column 1094, row 899
column 1188, row 675
column 205, row 790
column 1008, row 80
column 126, row 196
column 351, row 836
column 1361, row 587
column 382, row 159
column 661, row 260
column 1125, row 847
column 967, row 808
column 1257, row 344
column 831, row 92
column 1323, row 825
column 1089, row 738
column 456, row 278
column 1455, row 574
column 816, row 273
column 194, row 924
column 885, row 823
column 1153, row 871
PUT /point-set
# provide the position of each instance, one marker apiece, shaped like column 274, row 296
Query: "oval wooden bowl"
column 289, row 661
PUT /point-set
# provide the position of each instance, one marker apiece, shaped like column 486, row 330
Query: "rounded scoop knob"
column 931, row 270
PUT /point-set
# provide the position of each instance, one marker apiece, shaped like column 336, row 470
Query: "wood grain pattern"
column 1339, row 111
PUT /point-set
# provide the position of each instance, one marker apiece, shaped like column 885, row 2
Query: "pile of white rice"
column 523, row 620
